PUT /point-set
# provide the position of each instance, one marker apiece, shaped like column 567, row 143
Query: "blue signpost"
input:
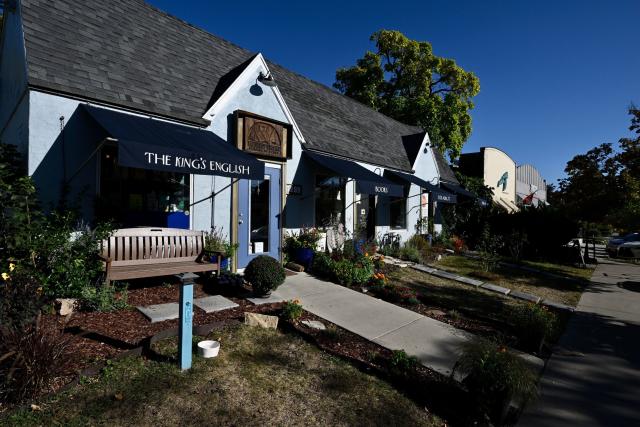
column 185, row 340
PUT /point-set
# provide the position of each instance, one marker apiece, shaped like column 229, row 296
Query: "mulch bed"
column 95, row 337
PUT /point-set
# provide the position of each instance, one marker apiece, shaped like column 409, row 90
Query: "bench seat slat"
column 154, row 270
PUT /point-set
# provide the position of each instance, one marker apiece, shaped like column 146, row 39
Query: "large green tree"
column 603, row 185
column 405, row 80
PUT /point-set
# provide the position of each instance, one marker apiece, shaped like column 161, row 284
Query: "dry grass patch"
column 261, row 377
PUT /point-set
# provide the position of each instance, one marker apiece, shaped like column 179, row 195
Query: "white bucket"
column 208, row 349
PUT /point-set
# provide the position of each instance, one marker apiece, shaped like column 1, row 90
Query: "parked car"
column 614, row 244
column 629, row 250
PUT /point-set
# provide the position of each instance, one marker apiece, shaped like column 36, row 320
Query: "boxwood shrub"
column 265, row 274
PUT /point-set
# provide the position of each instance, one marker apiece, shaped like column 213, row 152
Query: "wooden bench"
column 134, row 253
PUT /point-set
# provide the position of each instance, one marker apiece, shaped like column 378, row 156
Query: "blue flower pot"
column 224, row 264
column 304, row 256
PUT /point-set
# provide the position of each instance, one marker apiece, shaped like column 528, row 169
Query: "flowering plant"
column 292, row 310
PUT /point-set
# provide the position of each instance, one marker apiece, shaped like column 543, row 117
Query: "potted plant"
column 303, row 245
column 265, row 275
column 217, row 244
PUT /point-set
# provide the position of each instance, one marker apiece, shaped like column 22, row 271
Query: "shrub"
column 227, row 278
column 265, row 274
column 30, row 359
column 494, row 376
column 344, row 272
column 533, row 323
column 402, row 363
column 21, row 297
column 410, row 253
column 363, row 271
column 322, row 265
column 349, row 249
column 292, row 310
column 106, row 297
column 489, row 248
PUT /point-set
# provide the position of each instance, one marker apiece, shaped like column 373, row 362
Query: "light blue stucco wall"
column 58, row 149
column 14, row 103
column 256, row 98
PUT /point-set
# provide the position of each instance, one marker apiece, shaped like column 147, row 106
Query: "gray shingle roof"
column 130, row 54
column 446, row 173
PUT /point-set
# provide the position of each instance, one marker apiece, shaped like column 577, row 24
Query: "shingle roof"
column 446, row 173
column 130, row 54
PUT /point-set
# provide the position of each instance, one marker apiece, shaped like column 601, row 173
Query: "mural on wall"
column 503, row 181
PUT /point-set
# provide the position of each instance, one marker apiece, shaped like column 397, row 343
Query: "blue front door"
column 259, row 204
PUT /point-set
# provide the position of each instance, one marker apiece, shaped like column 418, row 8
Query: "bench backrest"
column 133, row 246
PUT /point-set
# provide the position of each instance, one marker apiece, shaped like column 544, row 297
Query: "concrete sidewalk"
column 594, row 377
column 434, row 343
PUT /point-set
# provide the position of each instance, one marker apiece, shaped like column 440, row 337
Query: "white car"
column 629, row 250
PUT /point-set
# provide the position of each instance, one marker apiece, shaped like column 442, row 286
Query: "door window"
column 259, row 215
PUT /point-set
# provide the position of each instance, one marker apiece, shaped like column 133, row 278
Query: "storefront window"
column 259, row 215
column 398, row 212
column 330, row 195
column 139, row 197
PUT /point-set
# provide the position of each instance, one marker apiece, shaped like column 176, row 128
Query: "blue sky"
column 556, row 76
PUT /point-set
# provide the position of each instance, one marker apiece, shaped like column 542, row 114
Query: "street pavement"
column 593, row 377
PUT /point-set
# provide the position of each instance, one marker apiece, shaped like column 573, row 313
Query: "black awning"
column 155, row 144
column 438, row 194
column 455, row 188
column 367, row 182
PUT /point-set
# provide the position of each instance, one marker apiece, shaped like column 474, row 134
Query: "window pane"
column 139, row 197
column 330, row 194
column 259, row 215
column 398, row 212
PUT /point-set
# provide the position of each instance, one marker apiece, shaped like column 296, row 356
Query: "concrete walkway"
column 593, row 379
column 434, row 343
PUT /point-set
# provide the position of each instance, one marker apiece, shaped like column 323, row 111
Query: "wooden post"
column 185, row 335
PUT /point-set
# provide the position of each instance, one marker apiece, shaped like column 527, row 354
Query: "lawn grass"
column 565, row 291
column 260, row 377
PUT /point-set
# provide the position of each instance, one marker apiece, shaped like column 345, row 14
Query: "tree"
column 603, row 186
column 405, row 80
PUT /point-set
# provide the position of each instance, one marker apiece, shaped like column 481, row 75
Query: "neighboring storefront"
column 498, row 172
column 531, row 187
column 217, row 137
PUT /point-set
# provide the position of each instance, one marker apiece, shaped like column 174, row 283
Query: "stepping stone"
column 160, row 312
column 469, row 281
column 274, row 297
column 557, row 305
column 495, row 288
column 445, row 275
column 314, row 324
column 525, row 296
column 214, row 303
column 423, row 268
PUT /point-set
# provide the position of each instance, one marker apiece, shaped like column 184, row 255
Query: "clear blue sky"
column 556, row 76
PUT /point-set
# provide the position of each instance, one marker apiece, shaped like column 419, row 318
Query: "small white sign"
column 258, row 247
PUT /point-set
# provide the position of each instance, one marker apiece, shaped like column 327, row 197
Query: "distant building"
column 531, row 188
column 498, row 172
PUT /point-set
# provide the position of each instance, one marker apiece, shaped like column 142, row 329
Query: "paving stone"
column 557, row 305
column 161, row 312
column 445, row 275
column 261, row 320
column 214, row 303
column 469, row 281
column 495, row 288
column 274, row 297
column 423, row 268
column 525, row 296
column 314, row 324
